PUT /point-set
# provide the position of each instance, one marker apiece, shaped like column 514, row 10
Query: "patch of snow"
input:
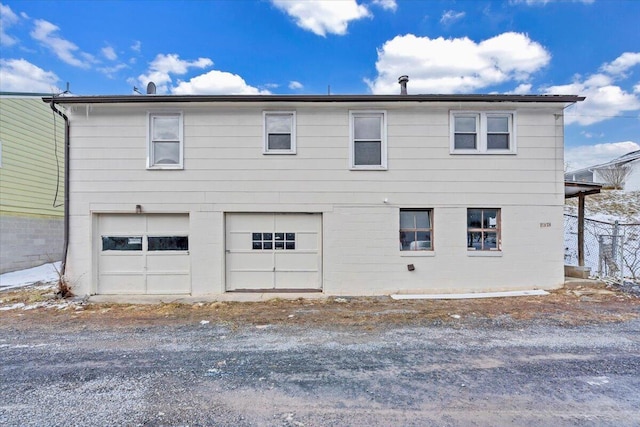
column 533, row 292
column 46, row 273
column 12, row 307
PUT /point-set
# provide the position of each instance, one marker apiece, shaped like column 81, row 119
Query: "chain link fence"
column 611, row 250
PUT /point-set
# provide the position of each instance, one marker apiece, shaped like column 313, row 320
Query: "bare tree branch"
column 616, row 175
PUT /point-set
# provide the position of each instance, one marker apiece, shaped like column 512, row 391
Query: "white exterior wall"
column 632, row 183
column 225, row 171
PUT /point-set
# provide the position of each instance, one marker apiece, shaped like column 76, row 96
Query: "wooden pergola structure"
column 580, row 190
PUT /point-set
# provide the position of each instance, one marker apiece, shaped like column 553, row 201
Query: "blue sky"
column 583, row 47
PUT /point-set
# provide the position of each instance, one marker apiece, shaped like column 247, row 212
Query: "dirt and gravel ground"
column 569, row 358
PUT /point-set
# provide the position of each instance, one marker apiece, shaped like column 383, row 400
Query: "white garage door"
column 273, row 251
column 143, row 254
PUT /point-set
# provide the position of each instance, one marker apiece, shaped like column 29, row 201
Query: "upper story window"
column 279, row 132
column 483, row 133
column 483, row 230
column 368, row 145
column 166, row 145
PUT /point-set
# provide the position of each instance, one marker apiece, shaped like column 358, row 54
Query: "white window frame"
column 265, row 147
column 150, row 141
column 481, row 132
column 383, row 143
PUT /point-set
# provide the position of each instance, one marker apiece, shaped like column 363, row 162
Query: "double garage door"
column 143, row 254
column 273, row 251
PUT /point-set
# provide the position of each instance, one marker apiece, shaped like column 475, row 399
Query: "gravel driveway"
column 466, row 372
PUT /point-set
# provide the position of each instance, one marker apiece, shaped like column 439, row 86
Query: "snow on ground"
column 601, row 212
column 609, row 206
column 45, row 274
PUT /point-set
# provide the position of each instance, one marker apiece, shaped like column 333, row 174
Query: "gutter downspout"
column 67, row 147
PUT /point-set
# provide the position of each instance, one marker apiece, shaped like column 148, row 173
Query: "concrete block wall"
column 27, row 242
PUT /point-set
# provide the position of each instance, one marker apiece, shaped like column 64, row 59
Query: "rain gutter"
column 67, row 126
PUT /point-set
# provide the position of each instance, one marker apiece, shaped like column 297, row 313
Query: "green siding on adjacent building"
column 30, row 174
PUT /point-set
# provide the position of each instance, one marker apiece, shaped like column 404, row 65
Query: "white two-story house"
column 339, row 194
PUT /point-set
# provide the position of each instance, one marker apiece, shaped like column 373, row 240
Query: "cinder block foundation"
column 27, row 242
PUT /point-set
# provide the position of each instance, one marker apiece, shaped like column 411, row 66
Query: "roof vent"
column 403, row 84
column 151, row 88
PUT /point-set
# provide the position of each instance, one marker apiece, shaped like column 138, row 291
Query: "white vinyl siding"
column 279, row 132
column 166, row 146
column 482, row 132
column 368, row 141
column 226, row 172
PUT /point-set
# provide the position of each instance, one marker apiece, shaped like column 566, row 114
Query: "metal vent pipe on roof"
column 151, row 88
column 403, row 84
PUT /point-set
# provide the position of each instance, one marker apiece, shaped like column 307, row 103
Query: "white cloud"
column 7, row 19
column 136, row 46
column 451, row 16
column 590, row 155
column 456, row 65
column 163, row 66
column 622, row 63
column 19, row 75
column 522, row 89
column 386, row 4
column 590, row 135
column 109, row 53
column 323, row 16
column 604, row 99
column 110, row 71
column 544, row 2
column 63, row 49
column 217, row 83
column 294, row 85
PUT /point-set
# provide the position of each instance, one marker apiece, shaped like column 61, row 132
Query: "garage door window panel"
column 122, row 243
column 269, row 241
column 168, row 243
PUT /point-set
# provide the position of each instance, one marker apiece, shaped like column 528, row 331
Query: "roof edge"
column 129, row 99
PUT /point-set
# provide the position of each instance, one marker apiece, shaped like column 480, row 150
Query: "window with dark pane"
column 367, row 139
column 117, row 243
column 498, row 132
column 168, row 243
column 261, row 241
column 290, row 241
column 483, row 229
column 466, row 133
column 416, row 229
column 279, row 129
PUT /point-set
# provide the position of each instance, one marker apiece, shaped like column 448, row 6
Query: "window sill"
column 272, row 153
column 368, row 168
column 417, row 253
column 158, row 168
column 483, row 153
column 484, row 253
